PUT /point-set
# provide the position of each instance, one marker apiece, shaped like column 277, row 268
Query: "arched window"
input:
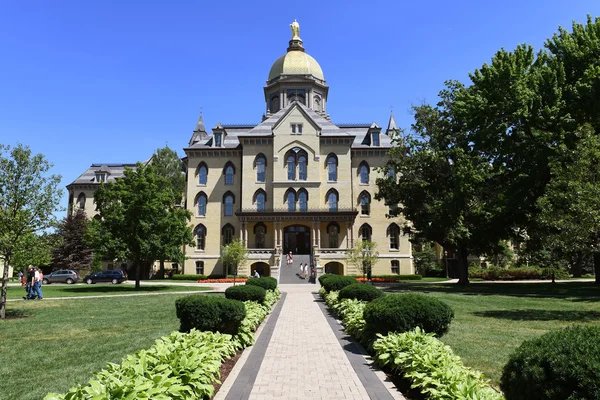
column 260, row 230
column 390, row 173
column 291, row 167
column 291, row 200
column 303, row 200
column 394, row 234
column 366, row 232
column 332, row 164
column 200, row 234
column 365, row 203
column 229, row 172
column 363, row 172
column 81, row 201
column 302, row 170
column 332, row 200
column 202, row 200
column 227, row 233
column 260, row 197
column 202, row 174
column 333, row 230
column 260, row 162
column 228, row 200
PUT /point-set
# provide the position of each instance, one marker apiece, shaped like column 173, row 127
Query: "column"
column 314, row 234
column 319, row 235
column 242, row 231
column 348, row 233
column 351, row 235
column 245, row 232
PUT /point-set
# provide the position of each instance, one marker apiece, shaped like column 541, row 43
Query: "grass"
column 491, row 320
column 53, row 290
column 62, row 343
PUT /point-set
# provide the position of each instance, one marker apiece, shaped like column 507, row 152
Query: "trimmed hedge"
column 266, row 282
column 209, row 313
column 405, row 312
column 516, row 274
column 186, row 277
column 325, row 276
column 394, row 278
column 246, row 293
column 337, row 282
column 563, row 364
column 360, row 291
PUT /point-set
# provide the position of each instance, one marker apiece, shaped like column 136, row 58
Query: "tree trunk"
column 138, row 271
column 4, row 288
column 597, row 268
column 577, row 268
column 463, row 266
column 161, row 270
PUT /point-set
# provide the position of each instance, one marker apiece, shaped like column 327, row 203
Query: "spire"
column 200, row 124
column 392, row 126
column 199, row 131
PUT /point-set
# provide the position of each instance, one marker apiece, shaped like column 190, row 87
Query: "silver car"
column 61, row 276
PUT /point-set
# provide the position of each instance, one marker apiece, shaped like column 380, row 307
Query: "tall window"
column 332, row 201
column 291, row 201
column 332, row 168
column 395, row 267
column 202, row 204
column 228, row 200
column 303, row 200
column 228, row 233
column 199, row 267
column 363, row 171
column 302, row 167
column 260, row 231
column 260, row 168
column 200, row 237
column 333, row 230
column 365, row 203
column 81, row 201
column 202, row 174
column 229, row 172
column 100, row 177
column 375, row 141
column 297, row 129
column 260, row 201
column 218, row 139
column 394, row 234
column 291, row 167
column 365, row 232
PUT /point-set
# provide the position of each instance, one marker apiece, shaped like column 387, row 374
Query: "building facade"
column 295, row 182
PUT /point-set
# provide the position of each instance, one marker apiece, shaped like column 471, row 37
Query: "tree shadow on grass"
column 119, row 289
column 540, row 315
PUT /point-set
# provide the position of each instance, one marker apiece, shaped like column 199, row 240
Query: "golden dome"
column 296, row 63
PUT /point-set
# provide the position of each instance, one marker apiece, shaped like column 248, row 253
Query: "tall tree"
column 363, row 255
column 234, row 254
column 35, row 249
column 74, row 252
column 139, row 216
column 29, row 196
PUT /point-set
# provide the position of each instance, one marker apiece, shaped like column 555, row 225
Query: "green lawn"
column 491, row 320
column 82, row 289
column 62, row 343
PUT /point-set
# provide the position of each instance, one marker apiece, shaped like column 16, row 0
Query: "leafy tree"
column 234, row 254
column 424, row 258
column 140, row 219
column 74, row 252
column 34, row 249
column 363, row 255
column 29, row 196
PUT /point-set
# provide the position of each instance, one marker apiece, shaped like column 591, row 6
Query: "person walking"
column 256, row 274
column 290, row 260
column 301, row 274
column 38, row 284
column 30, row 286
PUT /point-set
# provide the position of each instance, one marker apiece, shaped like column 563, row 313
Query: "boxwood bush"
column 360, row 291
column 337, row 282
column 266, row 282
column 209, row 313
column 404, row 312
column 563, row 364
column 246, row 292
column 188, row 277
column 325, row 276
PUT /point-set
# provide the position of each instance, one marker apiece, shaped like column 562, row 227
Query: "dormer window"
column 375, row 138
column 100, row 177
column 296, row 129
column 218, row 139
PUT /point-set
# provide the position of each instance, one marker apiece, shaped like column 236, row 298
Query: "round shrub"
column 360, row 291
column 246, row 292
column 337, row 282
column 563, row 364
column 325, row 276
column 404, row 312
column 210, row 313
column 266, row 282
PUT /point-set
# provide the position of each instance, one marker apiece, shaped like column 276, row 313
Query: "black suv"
column 112, row 275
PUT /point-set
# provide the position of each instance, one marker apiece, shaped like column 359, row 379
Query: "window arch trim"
column 258, row 225
column 368, row 228
column 228, row 226
column 228, row 193
column 259, row 191
column 259, row 155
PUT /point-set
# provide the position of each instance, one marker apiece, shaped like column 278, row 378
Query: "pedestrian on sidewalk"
column 301, row 274
column 290, row 259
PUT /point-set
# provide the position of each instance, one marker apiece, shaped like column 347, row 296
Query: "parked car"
column 112, row 275
column 61, row 276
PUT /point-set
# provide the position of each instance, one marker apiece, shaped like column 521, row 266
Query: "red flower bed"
column 222, row 280
column 379, row 280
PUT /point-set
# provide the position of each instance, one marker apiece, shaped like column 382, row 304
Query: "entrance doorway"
column 296, row 238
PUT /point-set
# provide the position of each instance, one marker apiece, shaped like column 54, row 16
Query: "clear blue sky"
column 110, row 81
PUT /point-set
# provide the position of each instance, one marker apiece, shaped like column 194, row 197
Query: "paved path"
column 303, row 358
column 291, row 275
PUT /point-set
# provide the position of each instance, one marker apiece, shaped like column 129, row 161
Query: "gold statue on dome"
column 295, row 29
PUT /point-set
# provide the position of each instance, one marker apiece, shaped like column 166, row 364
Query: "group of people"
column 305, row 270
column 32, row 282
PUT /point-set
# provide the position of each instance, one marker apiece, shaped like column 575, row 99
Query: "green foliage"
column 168, row 165
column 331, row 298
column 363, row 255
column 188, row 277
column 383, row 278
column 73, row 251
column 209, row 313
column 350, row 311
column 246, row 293
column 266, row 282
column 34, row 249
column 431, row 366
column 404, row 312
column 234, row 254
column 337, row 282
column 360, row 291
column 562, row 364
column 325, row 276
column 29, row 196
column 424, row 258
